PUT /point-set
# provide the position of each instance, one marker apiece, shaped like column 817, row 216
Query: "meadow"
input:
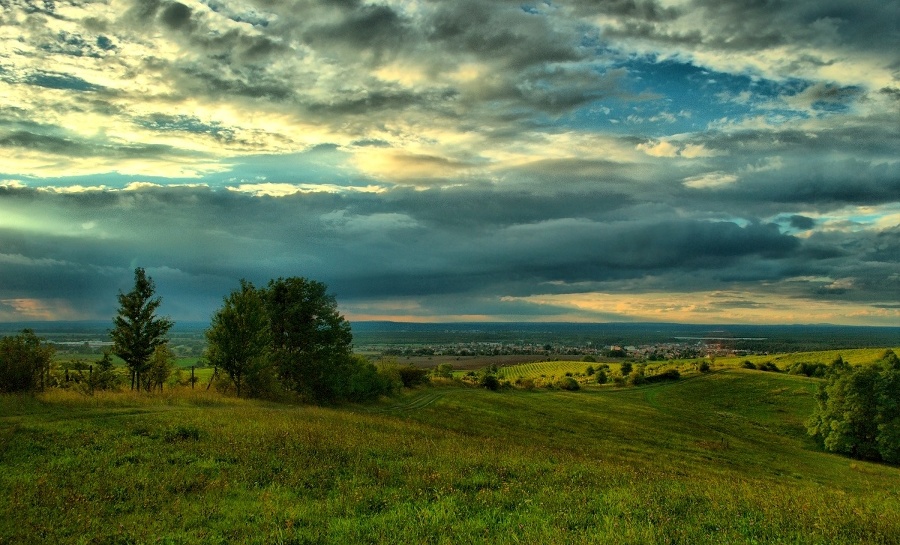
column 718, row 458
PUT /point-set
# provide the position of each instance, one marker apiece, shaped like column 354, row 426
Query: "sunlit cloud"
column 685, row 160
column 710, row 180
column 716, row 307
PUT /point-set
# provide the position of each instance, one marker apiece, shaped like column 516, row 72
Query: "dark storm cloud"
column 501, row 32
column 368, row 247
column 365, row 29
column 802, row 222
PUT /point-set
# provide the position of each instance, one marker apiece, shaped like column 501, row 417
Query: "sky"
column 696, row 161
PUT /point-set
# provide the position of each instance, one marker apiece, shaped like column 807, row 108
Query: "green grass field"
column 715, row 458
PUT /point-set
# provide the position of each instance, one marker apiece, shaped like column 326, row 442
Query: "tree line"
column 284, row 339
column 287, row 339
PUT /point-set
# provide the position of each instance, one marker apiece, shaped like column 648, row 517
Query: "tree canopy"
column 289, row 336
column 24, row 362
column 238, row 339
column 858, row 410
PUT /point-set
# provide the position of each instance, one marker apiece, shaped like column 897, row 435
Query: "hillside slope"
column 721, row 458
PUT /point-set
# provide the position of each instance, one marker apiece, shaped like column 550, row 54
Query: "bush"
column 602, row 377
column 703, row 367
column 444, row 370
column 637, row 377
column 489, row 381
column 589, row 359
column 818, row 370
column 768, row 366
column 590, row 371
column 525, row 383
column 626, row 368
column 669, row 374
column 748, row 365
column 365, row 382
column 412, row 376
column 568, row 383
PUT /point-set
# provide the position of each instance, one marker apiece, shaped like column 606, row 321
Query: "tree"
column 138, row 331
column 239, row 340
column 858, row 411
column 311, row 341
column 24, row 362
column 104, row 376
column 160, row 367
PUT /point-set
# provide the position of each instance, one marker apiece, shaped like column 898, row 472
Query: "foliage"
column 568, row 383
column 365, row 383
column 137, row 330
column 160, row 367
column 289, row 337
column 412, row 376
column 768, row 366
column 239, row 342
column 817, row 370
column 489, row 381
column 444, row 370
column 747, row 364
column 104, row 376
column 311, row 340
column 858, row 411
column 667, row 375
column 637, row 376
column 625, row 368
column 703, row 367
column 24, row 362
column 590, row 371
column 602, row 377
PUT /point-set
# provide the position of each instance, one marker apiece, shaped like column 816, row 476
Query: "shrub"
column 626, row 368
column 444, row 370
column 365, row 382
column 703, row 367
column 637, row 377
column 589, row 359
column 590, row 371
column 568, row 383
column 768, row 366
column 525, row 383
column 748, row 365
column 668, row 374
column 489, row 381
column 412, row 376
column 602, row 377
column 817, row 370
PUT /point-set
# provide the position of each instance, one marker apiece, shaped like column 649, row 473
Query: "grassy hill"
column 715, row 458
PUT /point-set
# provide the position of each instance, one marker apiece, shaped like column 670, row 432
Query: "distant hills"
column 768, row 337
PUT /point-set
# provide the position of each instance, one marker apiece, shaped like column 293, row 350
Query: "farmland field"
column 720, row 458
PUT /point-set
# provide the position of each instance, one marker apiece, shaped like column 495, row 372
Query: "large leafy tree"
column 858, row 411
column 238, row 340
column 311, row 340
column 137, row 329
column 24, row 362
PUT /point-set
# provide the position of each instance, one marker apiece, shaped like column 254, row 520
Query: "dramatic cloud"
column 685, row 160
